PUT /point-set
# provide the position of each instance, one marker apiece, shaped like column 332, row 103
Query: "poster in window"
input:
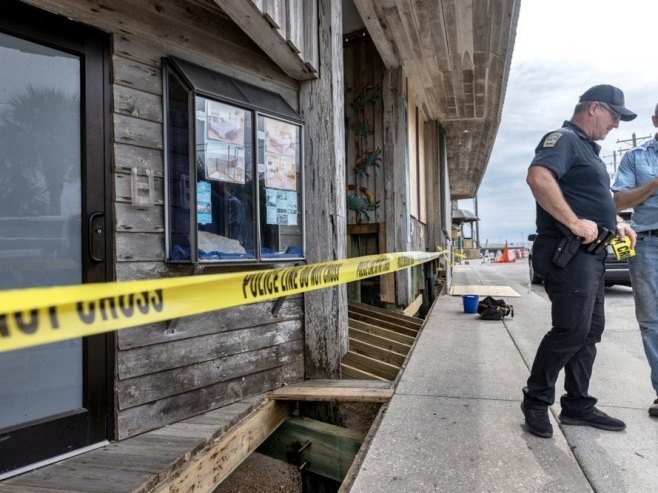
column 280, row 171
column 291, row 211
column 203, row 203
column 280, row 137
column 225, row 123
column 281, row 207
column 225, row 162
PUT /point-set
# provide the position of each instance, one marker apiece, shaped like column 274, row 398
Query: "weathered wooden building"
column 160, row 138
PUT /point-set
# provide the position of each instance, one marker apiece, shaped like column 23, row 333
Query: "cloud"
column 561, row 51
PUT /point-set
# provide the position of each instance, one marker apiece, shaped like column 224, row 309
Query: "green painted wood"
column 330, row 450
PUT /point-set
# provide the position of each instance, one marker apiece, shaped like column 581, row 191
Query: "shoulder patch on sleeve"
column 551, row 139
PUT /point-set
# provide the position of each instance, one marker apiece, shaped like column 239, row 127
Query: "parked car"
column 616, row 271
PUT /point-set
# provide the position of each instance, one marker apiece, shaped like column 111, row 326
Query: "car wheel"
column 534, row 278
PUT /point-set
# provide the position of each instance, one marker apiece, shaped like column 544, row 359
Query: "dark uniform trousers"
column 578, row 319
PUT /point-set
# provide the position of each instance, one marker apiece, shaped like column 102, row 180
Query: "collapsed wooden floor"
column 197, row 454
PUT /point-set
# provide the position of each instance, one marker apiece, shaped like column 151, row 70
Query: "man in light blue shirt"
column 636, row 186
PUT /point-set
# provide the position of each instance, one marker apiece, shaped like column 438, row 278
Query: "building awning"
column 463, row 216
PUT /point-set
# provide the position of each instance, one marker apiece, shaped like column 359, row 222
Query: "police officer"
column 571, row 186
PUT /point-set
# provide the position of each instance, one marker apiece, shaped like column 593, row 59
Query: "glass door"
column 53, row 398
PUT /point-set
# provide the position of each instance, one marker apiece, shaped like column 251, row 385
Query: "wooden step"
column 349, row 372
column 381, row 342
column 371, row 365
column 382, row 354
column 411, row 322
column 380, row 331
column 385, row 324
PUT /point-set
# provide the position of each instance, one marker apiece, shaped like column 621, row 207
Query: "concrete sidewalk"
column 454, row 423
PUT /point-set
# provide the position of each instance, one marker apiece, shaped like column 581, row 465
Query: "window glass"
column 234, row 180
column 40, row 216
column 280, row 187
column 225, row 193
column 178, row 145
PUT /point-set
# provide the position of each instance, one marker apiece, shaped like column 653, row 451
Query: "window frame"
column 177, row 68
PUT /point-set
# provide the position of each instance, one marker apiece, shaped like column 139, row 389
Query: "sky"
column 562, row 48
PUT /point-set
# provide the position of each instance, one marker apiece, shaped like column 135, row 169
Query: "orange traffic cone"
column 505, row 256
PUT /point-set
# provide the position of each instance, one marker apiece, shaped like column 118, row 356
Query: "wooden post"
column 433, row 180
column 395, row 166
column 321, row 103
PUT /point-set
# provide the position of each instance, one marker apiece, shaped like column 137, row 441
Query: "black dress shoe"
column 596, row 419
column 536, row 421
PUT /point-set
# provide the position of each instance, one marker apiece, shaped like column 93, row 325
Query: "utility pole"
column 633, row 139
column 477, row 223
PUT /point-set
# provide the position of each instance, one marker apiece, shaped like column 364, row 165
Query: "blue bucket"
column 470, row 303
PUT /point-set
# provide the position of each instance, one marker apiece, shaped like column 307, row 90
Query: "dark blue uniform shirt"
column 581, row 175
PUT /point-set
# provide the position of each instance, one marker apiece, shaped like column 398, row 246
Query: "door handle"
column 96, row 235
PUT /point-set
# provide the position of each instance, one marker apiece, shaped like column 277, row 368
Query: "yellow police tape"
column 29, row 317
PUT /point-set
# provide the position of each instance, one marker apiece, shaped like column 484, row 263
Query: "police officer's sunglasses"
column 617, row 116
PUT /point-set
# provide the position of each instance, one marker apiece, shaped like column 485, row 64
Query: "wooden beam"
column 414, row 307
column 326, row 449
column 206, row 470
column 333, row 394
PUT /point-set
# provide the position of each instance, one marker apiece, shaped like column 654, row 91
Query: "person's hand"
column 624, row 230
column 586, row 229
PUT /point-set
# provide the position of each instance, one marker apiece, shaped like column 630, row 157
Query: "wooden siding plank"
column 379, row 341
column 134, row 131
column 128, row 218
column 137, row 75
column 154, row 386
column 153, row 415
column 209, row 468
column 138, row 104
column 331, row 394
column 229, row 319
column 128, row 156
column 180, row 353
column 128, row 271
column 139, row 246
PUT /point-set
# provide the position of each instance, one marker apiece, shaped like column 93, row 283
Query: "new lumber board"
column 331, row 394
